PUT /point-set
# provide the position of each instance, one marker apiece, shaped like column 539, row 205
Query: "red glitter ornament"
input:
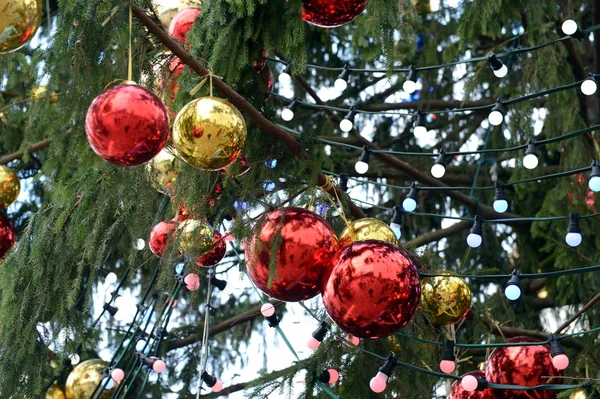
column 127, row 125
column 304, row 245
column 373, row 289
column 182, row 22
column 458, row 392
column 8, row 237
column 332, row 13
column 162, row 239
column 267, row 77
column 522, row 365
column 216, row 254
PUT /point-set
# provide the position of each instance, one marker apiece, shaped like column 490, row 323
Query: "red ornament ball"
column 458, row 392
column 373, row 289
column 162, row 240
column 304, row 245
column 8, row 237
column 127, row 125
column 216, row 254
column 332, row 13
column 176, row 67
column 522, row 365
column 182, row 22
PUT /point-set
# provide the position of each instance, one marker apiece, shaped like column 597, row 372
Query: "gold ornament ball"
column 162, row 170
column 19, row 20
column 10, row 187
column 209, row 133
column 41, row 93
column 195, row 238
column 578, row 394
column 446, row 299
column 167, row 9
column 82, row 381
column 367, row 229
column 54, row 392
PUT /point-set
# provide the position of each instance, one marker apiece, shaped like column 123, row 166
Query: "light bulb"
column 495, row 118
column 397, row 229
column 501, row 205
column 560, row 362
column 569, row 27
column 447, row 366
column 75, row 359
column 313, row 343
column 111, row 278
column 352, row 339
column 240, row 206
column 346, row 125
column 285, row 78
column 267, row 309
column 512, row 292
column 108, row 383
column 420, row 131
column 530, row 161
column 361, row 167
column 218, row 386
column 573, row 239
column 159, row 366
column 409, row 204
column 140, row 344
column 589, row 86
column 287, row 114
column 438, row 170
column 334, row 376
column 409, row 86
column 140, row 244
column 271, row 163
column 117, row 374
column 469, row 383
column 502, row 72
column 474, row 240
column 340, row 84
column 269, row 185
column 378, row 383
column 594, row 183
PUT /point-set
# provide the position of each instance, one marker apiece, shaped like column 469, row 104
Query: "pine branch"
column 40, row 145
column 437, row 235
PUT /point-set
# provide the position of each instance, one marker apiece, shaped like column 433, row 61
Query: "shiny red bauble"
column 302, row 244
column 162, row 240
column 127, row 125
column 373, row 289
column 8, row 237
column 176, row 69
column 522, row 365
column 332, row 13
column 216, row 254
column 182, row 22
column 458, row 392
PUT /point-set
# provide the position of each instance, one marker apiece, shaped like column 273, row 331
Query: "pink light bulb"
column 218, row 386
column 192, row 281
column 159, row 366
column 313, row 343
column 447, row 366
column 228, row 237
column 334, row 376
column 378, row 383
column 117, row 374
column 469, row 383
column 560, row 362
column 354, row 340
column 267, row 309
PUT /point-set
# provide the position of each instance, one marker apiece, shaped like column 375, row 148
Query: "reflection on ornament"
column 55, row 392
column 162, row 170
column 19, row 21
column 458, row 392
column 127, row 125
column 373, row 289
column 162, row 240
column 10, row 187
column 367, row 229
column 182, row 23
column 195, row 238
column 8, row 237
column 209, row 133
column 303, row 245
column 446, row 299
column 84, row 378
column 216, row 254
column 331, row 13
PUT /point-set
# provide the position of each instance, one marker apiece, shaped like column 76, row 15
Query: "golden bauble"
column 55, row 392
column 209, row 133
column 10, row 187
column 446, row 299
column 41, row 93
column 166, row 9
column 367, row 229
column 84, row 378
column 162, row 170
column 19, row 20
column 195, row 238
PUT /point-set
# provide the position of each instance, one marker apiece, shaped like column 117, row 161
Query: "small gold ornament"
column 446, row 299
column 167, row 9
column 10, row 187
column 19, row 20
column 84, row 378
column 195, row 238
column 162, row 170
column 578, row 394
column 55, row 392
column 367, row 229
column 209, row 133
column 41, row 93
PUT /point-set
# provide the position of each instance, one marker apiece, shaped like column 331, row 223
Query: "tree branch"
column 581, row 311
column 40, row 145
column 437, row 234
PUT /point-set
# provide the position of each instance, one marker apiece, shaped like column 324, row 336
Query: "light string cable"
column 205, row 332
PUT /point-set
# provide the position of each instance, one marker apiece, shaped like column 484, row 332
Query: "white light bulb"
column 438, row 170
column 569, row 27
column 285, row 78
column 589, row 87
column 108, row 383
column 361, row 167
column 397, row 229
column 573, row 239
column 287, row 114
column 474, row 240
column 496, row 118
column 346, row 125
column 340, row 84
column 530, row 161
column 594, row 183
column 75, row 359
column 501, row 205
column 420, row 131
column 111, row 278
column 139, row 345
column 409, row 86
column 409, row 204
column 140, row 244
column 502, row 72
column 512, row 292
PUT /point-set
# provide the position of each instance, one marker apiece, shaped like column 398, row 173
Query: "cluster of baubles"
column 369, row 285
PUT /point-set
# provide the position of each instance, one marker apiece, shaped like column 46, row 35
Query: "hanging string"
column 204, row 345
column 130, row 61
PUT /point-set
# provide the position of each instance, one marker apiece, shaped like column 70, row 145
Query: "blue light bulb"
column 512, row 292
